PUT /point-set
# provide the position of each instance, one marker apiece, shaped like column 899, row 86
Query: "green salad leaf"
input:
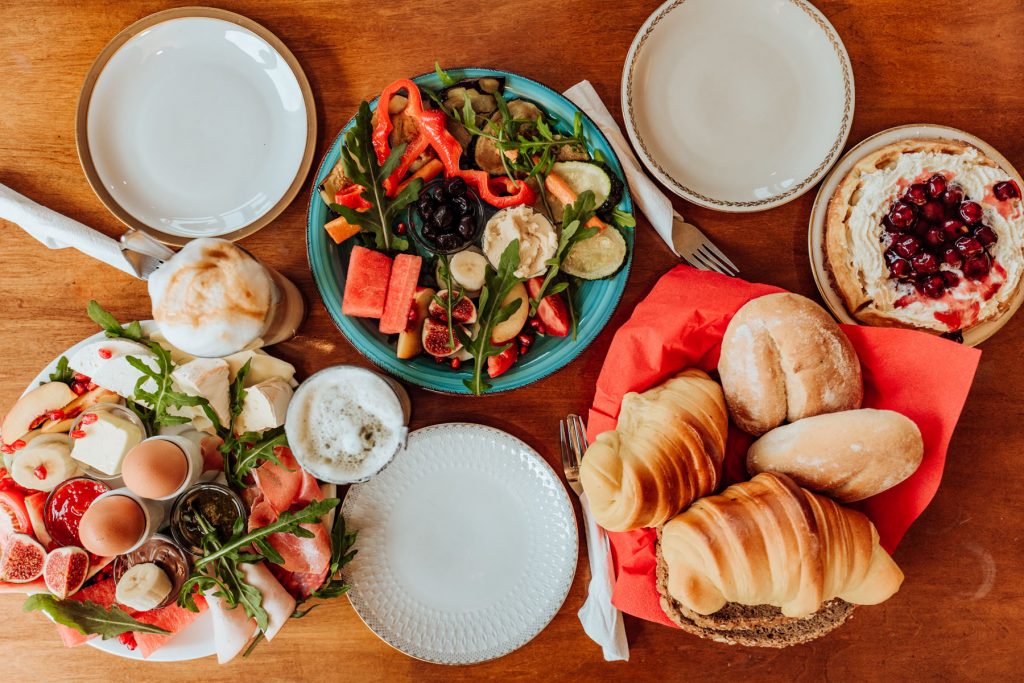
column 574, row 218
column 154, row 405
column 63, row 372
column 445, row 78
column 110, row 325
column 89, row 618
column 359, row 162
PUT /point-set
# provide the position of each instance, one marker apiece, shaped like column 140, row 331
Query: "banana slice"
column 44, row 463
column 143, row 587
column 468, row 269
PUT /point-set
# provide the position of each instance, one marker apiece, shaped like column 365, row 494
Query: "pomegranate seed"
column 79, row 377
column 412, row 315
column 925, row 262
column 400, row 229
column 933, row 212
column 985, row 235
column 523, row 348
column 901, row 268
column 78, row 388
column 907, row 245
column 89, row 418
column 541, row 329
column 952, row 196
column 952, row 257
column 977, row 266
column 887, row 224
column 971, row 212
column 934, row 286
column 951, row 278
column 936, row 185
column 128, row 640
column 40, row 473
column 4, row 448
column 902, row 214
column 439, row 359
column 105, row 353
column 18, row 445
column 1006, row 190
column 954, row 228
column 55, row 415
column 934, row 236
column 456, row 363
column 968, row 246
column 525, row 339
column 77, row 434
column 917, row 194
column 91, row 386
column 535, row 323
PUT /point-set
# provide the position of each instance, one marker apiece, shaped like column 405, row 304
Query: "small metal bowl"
column 416, row 224
column 165, row 553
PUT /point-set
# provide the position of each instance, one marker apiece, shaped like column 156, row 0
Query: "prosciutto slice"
column 280, row 484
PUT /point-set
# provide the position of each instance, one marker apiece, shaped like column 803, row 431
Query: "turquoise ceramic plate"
column 596, row 300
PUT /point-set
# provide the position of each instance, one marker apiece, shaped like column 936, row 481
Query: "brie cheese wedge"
column 262, row 367
column 105, row 362
column 264, row 407
column 208, row 378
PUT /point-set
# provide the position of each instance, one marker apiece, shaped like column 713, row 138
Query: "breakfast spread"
column 926, row 234
column 491, row 215
column 95, row 465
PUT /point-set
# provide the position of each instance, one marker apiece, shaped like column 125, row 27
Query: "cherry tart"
column 926, row 234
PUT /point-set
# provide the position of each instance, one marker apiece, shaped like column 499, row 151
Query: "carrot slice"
column 557, row 186
column 340, row 229
column 427, row 171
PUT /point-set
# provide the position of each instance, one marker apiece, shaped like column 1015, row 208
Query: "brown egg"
column 155, row 468
column 111, row 526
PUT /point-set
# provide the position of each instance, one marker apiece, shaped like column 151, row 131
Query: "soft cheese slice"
column 262, row 367
column 106, row 363
column 264, row 407
column 106, row 442
column 208, row 378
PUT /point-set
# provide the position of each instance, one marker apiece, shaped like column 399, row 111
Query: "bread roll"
column 783, row 359
column 666, row 452
column 768, row 542
column 849, row 456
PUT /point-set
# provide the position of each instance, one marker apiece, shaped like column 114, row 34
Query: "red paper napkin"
column 680, row 325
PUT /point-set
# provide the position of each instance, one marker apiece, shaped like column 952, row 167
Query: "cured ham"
column 232, row 628
column 277, row 601
column 280, row 484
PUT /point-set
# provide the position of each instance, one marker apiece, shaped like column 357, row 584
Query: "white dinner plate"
column 819, row 214
column 738, row 105
column 192, row 642
column 196, row 122
column 467, row 545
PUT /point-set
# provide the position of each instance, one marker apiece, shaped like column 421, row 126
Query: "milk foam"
column 345, row 424
column 212, row 298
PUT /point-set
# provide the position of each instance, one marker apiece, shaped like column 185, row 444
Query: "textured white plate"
column 467, row 545
column 193, row 642
column 816, row 231
column 738, row 105
column 197, row 127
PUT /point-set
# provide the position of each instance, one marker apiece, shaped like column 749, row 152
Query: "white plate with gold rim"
column 196, row 122
column 738, row 105
column 467, row 545
column 819, row 214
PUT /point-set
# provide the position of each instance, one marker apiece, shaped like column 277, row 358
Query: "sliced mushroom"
column 486, row 155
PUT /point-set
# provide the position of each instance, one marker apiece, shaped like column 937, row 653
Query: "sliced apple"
column 30, row 407
column 73, row 409
column 410, row 341
column 504, row 331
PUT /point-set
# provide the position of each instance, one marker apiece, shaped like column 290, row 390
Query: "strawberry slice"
column 551, row 311
column 497, row 365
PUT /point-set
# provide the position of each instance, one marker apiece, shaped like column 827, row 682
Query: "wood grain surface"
column 960, row 613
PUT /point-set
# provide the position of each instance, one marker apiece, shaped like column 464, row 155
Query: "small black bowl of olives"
column 446, row 217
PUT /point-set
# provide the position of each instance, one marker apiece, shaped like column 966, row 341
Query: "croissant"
column 665, row 453
column 769, row 542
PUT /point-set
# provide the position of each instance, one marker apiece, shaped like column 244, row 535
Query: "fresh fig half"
column 22, row 560
column 464, row 311
column 65, row 570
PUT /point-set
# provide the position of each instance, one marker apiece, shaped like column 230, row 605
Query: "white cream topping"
column 877, row 192
column 537, row 239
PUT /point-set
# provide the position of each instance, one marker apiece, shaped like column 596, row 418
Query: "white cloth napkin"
column 601, row 620
column 60, row 232
column 651, row 201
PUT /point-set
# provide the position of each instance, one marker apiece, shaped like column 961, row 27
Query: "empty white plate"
column 467, row 545
column 738, row 105
column 196, row 123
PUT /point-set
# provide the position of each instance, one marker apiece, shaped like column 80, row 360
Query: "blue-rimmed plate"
column 596, row 300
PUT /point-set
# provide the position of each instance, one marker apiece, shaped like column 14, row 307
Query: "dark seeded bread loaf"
column 751, row 625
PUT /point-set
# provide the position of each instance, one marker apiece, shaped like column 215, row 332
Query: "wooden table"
column 947, row 62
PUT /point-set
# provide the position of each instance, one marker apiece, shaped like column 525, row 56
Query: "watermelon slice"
column 405, row 273
column 102, row 593
column 366, row 283
column 170, row 618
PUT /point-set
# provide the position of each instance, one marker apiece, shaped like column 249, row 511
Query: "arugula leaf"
column 110, row 324
column 89, row 618
column 63, row 372
column 450, row 301
column 156, row 403
column 574, row 217
column 491, row 312
column 359, row 162
column 623, row 219
column 342, row 541
column 446, row 79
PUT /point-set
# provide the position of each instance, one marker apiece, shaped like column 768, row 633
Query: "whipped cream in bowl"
column 346, row 423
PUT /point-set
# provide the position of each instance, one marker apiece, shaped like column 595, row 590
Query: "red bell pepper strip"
column 352, row 197
column 433, row 133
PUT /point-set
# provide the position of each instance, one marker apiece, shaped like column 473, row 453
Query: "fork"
column 695, row 248
column 601, row 620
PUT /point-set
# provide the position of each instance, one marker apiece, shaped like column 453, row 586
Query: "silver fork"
column 601, row 620
column 695, row 248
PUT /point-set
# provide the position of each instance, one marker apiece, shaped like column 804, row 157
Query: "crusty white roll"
column 784, row 358
column 849, row 456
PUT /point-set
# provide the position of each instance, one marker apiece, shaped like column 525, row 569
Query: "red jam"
column 65, row 506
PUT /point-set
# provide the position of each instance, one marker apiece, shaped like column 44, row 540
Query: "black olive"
column 428, row 230
column 424, row 205
column 467, row 226
column 461, row 206
column 443, row 216
column 433, row 194
column 449, row 242
column 455, row 187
